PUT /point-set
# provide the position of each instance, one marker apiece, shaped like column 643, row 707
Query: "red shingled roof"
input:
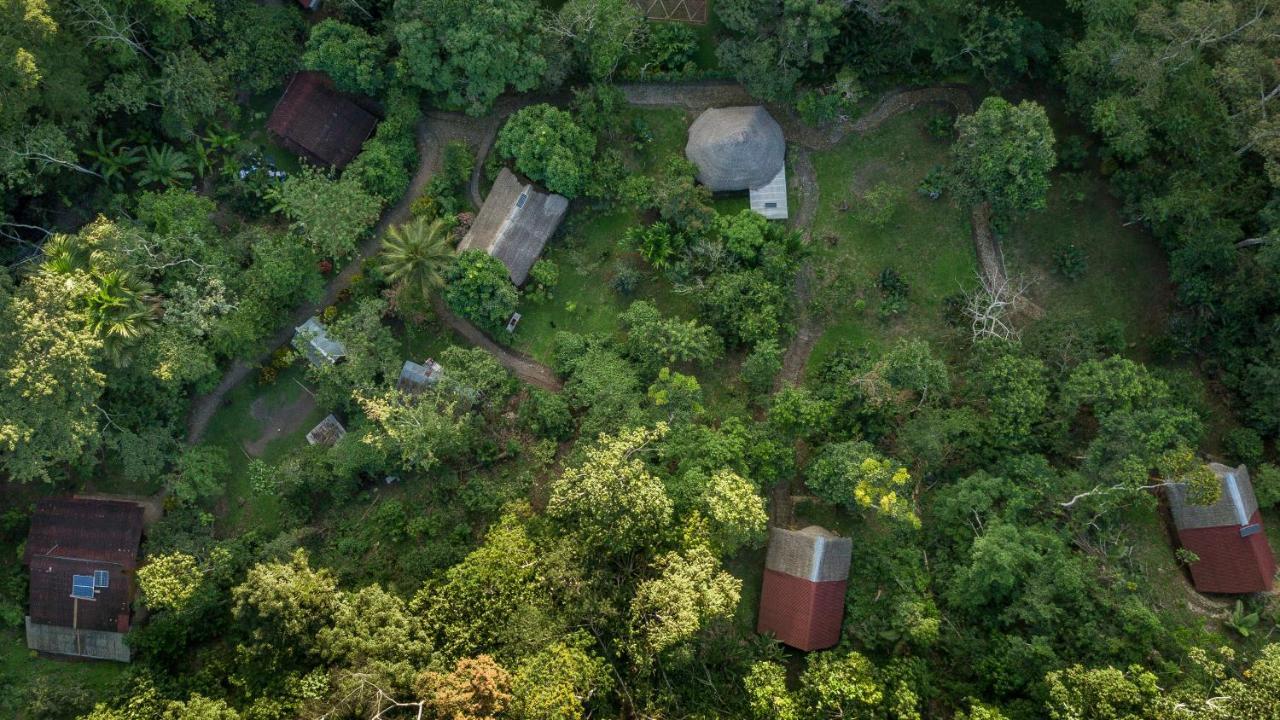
column 78, row 537
column 316, row 121
column 1230, row 563
column 803, row 614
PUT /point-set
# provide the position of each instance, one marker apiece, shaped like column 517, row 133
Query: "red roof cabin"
column 1227, row 536
column 309, row 4
column 319, row 123
column 82, row 555
column 806, row 573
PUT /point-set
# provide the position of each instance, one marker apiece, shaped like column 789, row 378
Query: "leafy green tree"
column 469, row 52
column 654, row 341
column 479, row 289
column 600, row 33
column 841, row 684
column 762, row 365
column 168, row 581
column 549, row 146
column 546, row 414
column 332, row 215
column 201, row 473
column 49, row 416
column 192, row 90
column 1014, row 395
column 284, row 605
column 424, row 434
column 745, row 306
column 471, row 372
column 735, row 511
column 199, row 707
column 855, row 475
column 689, row 591
column 766, row 686
column 560, row 681
column 347, row 53
column 773, row 44
column 373, row 631
column 611, row 500
column 260, row 44
column 416, row 254
column 1003, row 155
column 676, row 396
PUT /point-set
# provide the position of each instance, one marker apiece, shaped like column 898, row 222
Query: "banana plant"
column 1243, row 623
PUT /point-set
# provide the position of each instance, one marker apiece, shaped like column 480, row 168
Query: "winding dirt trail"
column 520, row 365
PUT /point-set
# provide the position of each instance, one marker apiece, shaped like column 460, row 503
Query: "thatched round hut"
column 736, row 148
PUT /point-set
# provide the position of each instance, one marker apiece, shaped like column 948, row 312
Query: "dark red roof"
column 803, row 614
column 71, row 537
column 52, row 604
column 309, row 4
column 316, row 121
column 104, row 530
column 1228, row 562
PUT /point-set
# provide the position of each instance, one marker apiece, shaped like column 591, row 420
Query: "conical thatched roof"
column 736, row 148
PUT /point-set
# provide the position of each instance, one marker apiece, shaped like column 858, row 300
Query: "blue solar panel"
column 101, row 578
column 82, row 587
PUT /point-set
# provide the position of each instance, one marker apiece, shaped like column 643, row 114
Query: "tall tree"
column 416, row 254
column 1003, row 155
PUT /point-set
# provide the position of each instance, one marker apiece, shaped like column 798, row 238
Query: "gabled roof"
column 312, row 339
column 316, row 121
column 813, row 554
column 1235, row 505
column 736, row 148
column 1226, row 536
column 805, row 577
column 515, row 223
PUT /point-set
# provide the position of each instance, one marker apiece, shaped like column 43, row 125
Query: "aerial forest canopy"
column 564, row 359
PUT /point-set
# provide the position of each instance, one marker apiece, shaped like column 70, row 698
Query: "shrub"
column 546, row 415
column 1070, row 262
column 941, row 125
column 762, row 366
column 479, row 288
column 666, row 51
column 1266, row 485
column 625, row 278
column 879, row 204
column 934, row 184
column 1243, row 445
column 1072, row 152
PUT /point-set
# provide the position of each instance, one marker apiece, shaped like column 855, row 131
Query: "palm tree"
column 121, row 310
column 415, row 255
column 164, row 166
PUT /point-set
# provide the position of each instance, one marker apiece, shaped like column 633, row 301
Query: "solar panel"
column 520, row 201
column 82, row 587
column 101, row 578
column 1248, row 530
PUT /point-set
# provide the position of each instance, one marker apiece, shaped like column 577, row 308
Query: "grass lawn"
column 1126, row 277
column 233, row 425
column 928, row 242
column 23, row 673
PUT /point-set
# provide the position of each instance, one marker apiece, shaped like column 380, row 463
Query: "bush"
column 1266, row 485
column 666, row 51
column 879, row 204
column 546, row 415
column 1243, row 445
column 1070, row 262
column 934, row 184
column 386, row 163
column 625, row 278
column 1072, row 152
column 479, row 288
column 893, row 293
column 762, row 366
column 941, row 125
column 547, row 144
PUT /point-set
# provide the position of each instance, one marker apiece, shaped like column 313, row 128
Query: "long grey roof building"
column 515, row 223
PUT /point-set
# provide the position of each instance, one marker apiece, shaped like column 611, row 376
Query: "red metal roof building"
column 82, row 554
column 806, row 573
column 1227, row 536
column 319, row 123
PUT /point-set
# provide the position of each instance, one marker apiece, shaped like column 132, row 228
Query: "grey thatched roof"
column 736, row 148
column 416, row 378
column 311, row 339
column 328, row 432
column 813, row 554
column 57, row 640
column 1236, row 503
column 515, row 223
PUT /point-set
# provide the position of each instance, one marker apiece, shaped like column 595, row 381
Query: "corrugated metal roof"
column 1230, row 562
column 1236, row 501
column 312, row 339
column 770, row 200
column 327, row 432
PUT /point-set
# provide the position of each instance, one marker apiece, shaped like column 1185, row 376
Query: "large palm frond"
column 121, row 310
column 416, row 253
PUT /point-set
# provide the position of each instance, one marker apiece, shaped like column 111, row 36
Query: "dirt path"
column 521, row 366
column 204, row 407
column 278, row 422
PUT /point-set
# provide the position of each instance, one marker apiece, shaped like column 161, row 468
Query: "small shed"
column 515, row 223
column 328, row 432
column 416, row 378
column 805, row 577
column 1226, row 535
column 314, row 120
column 82, row 554
column 309, row 4
column 742, row 148
column 312, row 339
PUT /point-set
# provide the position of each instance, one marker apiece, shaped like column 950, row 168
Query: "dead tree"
column 992, row 305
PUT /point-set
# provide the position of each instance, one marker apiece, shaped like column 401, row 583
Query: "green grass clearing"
column 927, row 241
column 54, row 688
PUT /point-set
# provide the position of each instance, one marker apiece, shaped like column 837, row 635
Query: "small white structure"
column 328, row 432
column 311, row 339
column 771, row 199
